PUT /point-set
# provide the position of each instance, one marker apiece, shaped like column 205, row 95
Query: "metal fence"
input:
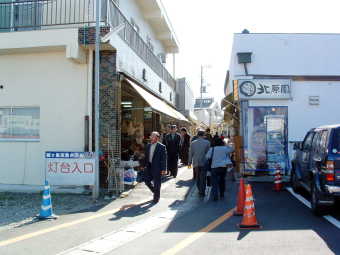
column 40, row 14
column 43, row 14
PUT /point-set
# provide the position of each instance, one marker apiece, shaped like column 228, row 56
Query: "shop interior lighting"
column 126, row 103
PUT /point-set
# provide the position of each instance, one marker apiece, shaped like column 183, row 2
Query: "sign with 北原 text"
column 265, row 89
column 70, row 168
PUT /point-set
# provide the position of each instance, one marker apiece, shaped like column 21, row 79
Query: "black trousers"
column 201, row 177
column 172, row 164
column 218, row 181
column 153, row 181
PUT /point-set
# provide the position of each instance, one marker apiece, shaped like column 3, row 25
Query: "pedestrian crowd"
column 209, row 157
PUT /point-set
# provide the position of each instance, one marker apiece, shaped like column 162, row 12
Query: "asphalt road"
column 288, row 227
column 180, row 224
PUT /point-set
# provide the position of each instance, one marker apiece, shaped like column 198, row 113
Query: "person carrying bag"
column 220, row 160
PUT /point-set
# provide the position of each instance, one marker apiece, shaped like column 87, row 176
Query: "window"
column 171, row 96
column 144, row 75
column 323, row 142
column 307, row 143
column 336, row 141
column 21, row 123
column 316, row 143
column 160, row 87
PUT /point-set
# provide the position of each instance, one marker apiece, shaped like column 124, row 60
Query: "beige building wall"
column 59, row 86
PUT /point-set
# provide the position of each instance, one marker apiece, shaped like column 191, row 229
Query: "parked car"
column 316, row 167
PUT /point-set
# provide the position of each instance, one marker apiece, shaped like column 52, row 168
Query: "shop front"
column 142, row 113
column 264, row 127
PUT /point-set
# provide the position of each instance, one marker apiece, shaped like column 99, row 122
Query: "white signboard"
column 265, row 89
column 70, row 168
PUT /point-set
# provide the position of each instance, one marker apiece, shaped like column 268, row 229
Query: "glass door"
column 265, row 143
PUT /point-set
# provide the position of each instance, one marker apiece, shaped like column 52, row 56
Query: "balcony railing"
column 43, row 14
column 134, row 40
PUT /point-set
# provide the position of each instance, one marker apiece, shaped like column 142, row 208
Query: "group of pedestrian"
column 210, row 154
column 203, row 152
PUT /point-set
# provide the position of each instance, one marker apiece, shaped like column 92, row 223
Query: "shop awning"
column 157, row 104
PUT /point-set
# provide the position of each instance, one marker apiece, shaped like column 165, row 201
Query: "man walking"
column 155, row 157
column 198, row 150
column 172, row 143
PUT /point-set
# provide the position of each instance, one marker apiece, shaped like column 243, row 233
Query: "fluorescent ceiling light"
column 126, row 102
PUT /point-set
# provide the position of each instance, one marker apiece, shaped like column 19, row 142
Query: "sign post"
column 95, row 192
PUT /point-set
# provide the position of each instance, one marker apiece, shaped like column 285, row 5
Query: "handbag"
column 208, row 162
column 208, row 168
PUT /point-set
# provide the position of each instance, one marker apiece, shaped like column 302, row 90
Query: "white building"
column 185, row 99
column 47, row 82
column 286, row 84
column 208, row 112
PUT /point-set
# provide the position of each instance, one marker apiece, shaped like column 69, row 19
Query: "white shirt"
column 152, row 150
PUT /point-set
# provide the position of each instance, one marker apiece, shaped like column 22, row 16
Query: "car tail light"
column 329, row 170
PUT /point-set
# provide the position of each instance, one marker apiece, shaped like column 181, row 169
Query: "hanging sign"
column 70, row 168
column 264, row 89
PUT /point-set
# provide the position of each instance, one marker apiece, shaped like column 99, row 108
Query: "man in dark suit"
column 173, row 143
column 155, row 157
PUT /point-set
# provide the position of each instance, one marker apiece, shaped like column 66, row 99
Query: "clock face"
column 248, row 88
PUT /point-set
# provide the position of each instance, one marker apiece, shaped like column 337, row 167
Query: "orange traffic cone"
column 249, row 218
column 241, row 196
column 278, row 180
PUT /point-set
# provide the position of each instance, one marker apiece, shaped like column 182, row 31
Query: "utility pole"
column 95, row 192
column 201, row 82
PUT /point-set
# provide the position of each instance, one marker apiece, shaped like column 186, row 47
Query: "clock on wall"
column 248, row 88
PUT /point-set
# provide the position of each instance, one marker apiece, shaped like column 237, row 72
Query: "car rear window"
column 336, row 141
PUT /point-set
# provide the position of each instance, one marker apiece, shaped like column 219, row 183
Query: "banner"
column 70, row 168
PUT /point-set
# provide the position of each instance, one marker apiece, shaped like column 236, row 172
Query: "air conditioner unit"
column 162, row 57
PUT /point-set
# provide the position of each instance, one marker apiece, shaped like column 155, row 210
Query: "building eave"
column 155, row 14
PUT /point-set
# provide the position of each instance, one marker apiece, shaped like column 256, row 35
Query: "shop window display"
column 265, row 140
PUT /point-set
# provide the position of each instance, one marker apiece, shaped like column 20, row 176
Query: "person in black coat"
column 155, row 162
column 185, row 145
column 172, row 143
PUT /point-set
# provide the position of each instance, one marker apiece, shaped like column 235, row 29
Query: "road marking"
column 192, row 238
column 69, row 224
column 117, row 238
column 329, row 218
column 62, row 226
column 111, row 241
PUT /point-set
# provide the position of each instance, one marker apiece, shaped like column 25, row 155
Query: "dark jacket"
column 158, row 160
column 173, row 145
column 184, row 153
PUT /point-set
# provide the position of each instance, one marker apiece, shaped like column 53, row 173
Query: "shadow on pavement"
column 182, row 183
column 133, row 210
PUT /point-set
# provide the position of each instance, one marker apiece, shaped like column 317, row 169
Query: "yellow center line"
column 65, row 225
column 192, row 238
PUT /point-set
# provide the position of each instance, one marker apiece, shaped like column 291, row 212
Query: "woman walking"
column 220, row 161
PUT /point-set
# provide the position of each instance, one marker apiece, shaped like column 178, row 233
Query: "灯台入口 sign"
column 70, row 168
column 265, row 89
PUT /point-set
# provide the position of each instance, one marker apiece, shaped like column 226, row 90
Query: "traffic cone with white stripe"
column 249, row 218
column 46, row 211
column 278, row 185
